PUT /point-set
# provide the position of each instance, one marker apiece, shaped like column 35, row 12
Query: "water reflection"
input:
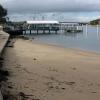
column 87, row 31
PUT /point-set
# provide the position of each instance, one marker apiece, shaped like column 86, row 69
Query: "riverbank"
column 45, row 72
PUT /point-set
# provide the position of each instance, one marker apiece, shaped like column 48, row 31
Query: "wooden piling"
column 55, row 31
column 49, row 31
column 43, row 31
column 30, row 32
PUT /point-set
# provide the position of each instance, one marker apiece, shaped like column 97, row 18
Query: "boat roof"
column 42, row 22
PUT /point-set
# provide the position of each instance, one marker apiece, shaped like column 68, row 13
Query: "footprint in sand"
column 53, row 69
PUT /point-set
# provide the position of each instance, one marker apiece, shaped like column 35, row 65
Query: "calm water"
column 87, row 40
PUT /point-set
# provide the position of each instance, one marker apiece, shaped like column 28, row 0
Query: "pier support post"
column 30, row 32
column 55, row 31
column 43, row 31
column 22, row 32
column 25, row 32
column 49, row 31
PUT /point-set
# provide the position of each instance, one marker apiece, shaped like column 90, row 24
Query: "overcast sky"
column 69, row 10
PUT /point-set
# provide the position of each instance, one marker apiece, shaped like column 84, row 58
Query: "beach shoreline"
column 47, row 72
column 68, row 48
column 70, row 42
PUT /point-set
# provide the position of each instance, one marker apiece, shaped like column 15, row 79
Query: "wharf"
column 38, row 27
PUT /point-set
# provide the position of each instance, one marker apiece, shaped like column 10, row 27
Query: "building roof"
column 69, row 23
column 42, row 22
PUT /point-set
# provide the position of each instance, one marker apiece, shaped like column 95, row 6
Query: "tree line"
column 95, row 22
column 3, row 14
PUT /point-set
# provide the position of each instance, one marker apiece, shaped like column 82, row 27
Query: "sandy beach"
column 45, row 72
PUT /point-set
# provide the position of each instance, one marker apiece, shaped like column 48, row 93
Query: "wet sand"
column 45, row 72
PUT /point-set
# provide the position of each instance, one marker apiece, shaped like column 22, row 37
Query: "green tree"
column 3, row 13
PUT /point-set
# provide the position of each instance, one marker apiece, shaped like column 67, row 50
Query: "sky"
column 62, row 10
